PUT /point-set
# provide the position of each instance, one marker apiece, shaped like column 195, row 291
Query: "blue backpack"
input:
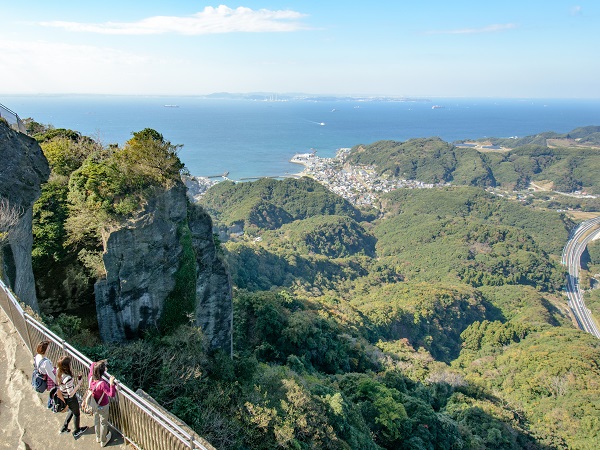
column 38, row 380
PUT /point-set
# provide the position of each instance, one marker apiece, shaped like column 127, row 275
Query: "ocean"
column 258, row 138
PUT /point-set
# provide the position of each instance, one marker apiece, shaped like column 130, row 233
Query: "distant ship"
column 436, row 107
column 171, row 106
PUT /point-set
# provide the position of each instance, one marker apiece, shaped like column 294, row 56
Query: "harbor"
column 360, row 185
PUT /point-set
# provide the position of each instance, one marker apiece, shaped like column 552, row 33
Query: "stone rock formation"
column 214, row 308
column 23, row 169
column 141, row 259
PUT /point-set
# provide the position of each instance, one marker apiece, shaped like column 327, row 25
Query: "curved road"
column 578, row 241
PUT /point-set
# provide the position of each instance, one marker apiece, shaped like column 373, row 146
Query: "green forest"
column 570, row 162
column 434, row 322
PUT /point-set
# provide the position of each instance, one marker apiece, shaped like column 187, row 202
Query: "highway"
column 571, row 257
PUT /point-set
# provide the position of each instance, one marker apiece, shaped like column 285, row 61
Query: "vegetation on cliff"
column 91, row 189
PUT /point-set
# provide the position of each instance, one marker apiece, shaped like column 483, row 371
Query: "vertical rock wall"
column 214, row 307
column 141, row 259
column 23, row 169
column 21, row 243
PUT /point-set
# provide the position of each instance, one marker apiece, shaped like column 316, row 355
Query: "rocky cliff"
column 143, row 259
column 214, row 309
column 23, row 168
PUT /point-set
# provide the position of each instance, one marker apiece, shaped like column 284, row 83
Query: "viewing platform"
column 136, row 421
column 26, row 422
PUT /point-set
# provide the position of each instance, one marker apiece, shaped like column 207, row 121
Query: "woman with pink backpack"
column 101, row 390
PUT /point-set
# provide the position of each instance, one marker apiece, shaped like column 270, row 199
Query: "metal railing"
column 12, row 118
column 141, row 423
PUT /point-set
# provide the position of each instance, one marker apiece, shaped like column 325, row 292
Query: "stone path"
column 25, row 422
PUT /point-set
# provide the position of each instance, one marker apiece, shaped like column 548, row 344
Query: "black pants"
column 73, row 405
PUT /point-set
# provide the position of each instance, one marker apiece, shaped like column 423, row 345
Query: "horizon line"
column 294, row 94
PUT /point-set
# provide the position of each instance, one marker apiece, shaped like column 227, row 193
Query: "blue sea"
column 257, row 138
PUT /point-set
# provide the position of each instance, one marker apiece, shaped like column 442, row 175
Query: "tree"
column 9, row 217
column 147, row 158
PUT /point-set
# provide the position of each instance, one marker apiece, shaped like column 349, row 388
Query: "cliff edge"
column 23, row 169
column 162, row 269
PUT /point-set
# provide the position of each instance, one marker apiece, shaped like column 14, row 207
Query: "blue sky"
column 525, row 48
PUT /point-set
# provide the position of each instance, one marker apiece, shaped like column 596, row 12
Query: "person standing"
column 101, row 391
column 45, row 367
column 69, row 389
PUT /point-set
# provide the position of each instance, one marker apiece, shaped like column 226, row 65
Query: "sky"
column 426, row 48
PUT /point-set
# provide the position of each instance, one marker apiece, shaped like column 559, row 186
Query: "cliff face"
column 214, row 309
column 23, row 168
column 141, row 260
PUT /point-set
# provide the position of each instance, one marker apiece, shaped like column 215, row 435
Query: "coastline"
column 305, row 172
column 217, row 135
column 360, row 185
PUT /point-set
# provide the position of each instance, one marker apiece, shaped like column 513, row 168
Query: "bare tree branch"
column 9, row 217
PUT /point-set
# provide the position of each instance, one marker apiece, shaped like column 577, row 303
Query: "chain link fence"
column 12, row 118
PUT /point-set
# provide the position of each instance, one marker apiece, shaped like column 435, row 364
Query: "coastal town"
column 360, row 185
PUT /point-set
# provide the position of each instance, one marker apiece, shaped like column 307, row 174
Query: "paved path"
column 578, row 241
column 25, row 422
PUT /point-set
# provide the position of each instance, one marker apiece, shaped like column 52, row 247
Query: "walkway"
column 25, row 422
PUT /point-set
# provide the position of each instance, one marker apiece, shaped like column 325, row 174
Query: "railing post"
column 12, row 319
column 28, row 335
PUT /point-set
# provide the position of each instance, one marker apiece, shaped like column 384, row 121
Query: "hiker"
column 69, row 389
column 46, row 368
column 101, row 391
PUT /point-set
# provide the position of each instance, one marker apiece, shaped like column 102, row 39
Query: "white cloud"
column 22, row 53
column 211, row 20
column 576, row 10
column 42, row 66
column 487, row 29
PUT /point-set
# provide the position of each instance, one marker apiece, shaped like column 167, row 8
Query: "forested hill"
column 268, row 203
column 568, row 162
column 415, row 324
column 430, row 160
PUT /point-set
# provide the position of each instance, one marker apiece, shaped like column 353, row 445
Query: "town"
column 360, row 185
column 357, row 184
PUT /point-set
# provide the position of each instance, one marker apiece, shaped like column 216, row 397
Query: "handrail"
column 15, row 120
column 139, row 421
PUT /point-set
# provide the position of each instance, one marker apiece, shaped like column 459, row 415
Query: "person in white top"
column 69, row 389
column 45, row 366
